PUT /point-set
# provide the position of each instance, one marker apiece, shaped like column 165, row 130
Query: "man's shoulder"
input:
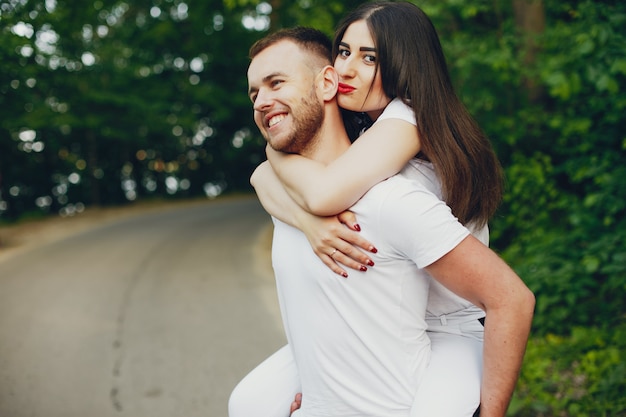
column 408, row 219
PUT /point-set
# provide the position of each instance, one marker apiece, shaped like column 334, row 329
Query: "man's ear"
column 328, row 81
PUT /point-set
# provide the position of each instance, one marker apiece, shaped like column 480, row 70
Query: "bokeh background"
column 110, row 102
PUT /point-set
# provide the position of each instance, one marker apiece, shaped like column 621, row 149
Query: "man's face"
column 287, row 109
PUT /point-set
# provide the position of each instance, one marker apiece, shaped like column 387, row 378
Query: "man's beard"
column 307, row 121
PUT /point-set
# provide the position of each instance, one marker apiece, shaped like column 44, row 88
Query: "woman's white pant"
column 269, row 389
column 451, row 384
column 450, row 387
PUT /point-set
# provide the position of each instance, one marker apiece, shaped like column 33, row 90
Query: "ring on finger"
column 331, row 255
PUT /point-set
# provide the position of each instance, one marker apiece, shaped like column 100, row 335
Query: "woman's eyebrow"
column 363, row 48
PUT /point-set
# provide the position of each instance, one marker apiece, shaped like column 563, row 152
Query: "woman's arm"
column 325, row 234
column 325, row 190
column 273, row 196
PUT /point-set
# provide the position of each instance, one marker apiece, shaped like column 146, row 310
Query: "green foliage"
column 123, row 99
column 578, row 375
column 557, row 122
column 553, row 103
column 573, row 253
column 118, row 94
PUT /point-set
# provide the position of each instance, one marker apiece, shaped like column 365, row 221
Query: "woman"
column 398, row 81
column 410, row 68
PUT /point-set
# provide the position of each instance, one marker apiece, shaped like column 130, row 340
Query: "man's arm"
column 476, row 273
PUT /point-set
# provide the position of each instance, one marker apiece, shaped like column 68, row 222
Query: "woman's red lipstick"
column 345, row 88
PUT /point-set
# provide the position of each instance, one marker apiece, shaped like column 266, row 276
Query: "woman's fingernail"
column 370, row 262
column 362, row 268
column 357, row 227
column 373, row 249
column 345, row 275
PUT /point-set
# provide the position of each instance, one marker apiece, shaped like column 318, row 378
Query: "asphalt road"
column 150, row 316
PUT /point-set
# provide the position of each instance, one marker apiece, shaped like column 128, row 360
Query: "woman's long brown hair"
column 413, row 67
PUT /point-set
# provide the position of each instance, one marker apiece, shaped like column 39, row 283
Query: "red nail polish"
column 343, row 274
column 362, row 268
column 374, row 250
column 370, row 262
column 357, row 227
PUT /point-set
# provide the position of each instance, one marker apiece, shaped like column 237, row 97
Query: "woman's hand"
column 335, row 240
column 296, row 404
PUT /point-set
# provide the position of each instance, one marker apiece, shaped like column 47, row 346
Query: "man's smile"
column 276, row 119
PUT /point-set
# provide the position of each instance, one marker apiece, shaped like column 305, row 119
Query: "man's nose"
column 263, row 101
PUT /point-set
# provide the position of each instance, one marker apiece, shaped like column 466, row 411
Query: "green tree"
column 119, row 100
column 551, row 97
column 124, row 100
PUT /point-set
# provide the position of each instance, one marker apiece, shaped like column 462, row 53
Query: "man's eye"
column 276, row 83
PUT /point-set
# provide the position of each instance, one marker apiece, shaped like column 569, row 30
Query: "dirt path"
column 158, row 314
column 28, row 234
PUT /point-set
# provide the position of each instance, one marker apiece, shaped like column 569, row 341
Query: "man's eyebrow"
column 363, row 48
column 266, row 79
column 272, row 75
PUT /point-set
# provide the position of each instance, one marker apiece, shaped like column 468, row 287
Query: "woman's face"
column 360, row 84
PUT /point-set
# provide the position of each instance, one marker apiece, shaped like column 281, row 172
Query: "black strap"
column 477, row 412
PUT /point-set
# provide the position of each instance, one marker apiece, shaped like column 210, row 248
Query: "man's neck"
column 331, row 141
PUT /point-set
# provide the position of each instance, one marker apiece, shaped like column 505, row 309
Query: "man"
column 360, row 345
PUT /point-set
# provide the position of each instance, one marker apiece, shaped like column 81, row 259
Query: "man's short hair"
column 312, row 40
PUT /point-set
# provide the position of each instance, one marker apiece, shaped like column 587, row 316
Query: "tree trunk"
column 92, row 155
column 530, row 20
column 275, row 22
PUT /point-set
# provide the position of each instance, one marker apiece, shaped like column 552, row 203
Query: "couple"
column 358, row 346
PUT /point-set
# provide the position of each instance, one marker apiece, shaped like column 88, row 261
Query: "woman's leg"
column 269, row 389
column 451, row 384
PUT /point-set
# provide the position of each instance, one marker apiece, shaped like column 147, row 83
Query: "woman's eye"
column 371, row 59
column 344, row 53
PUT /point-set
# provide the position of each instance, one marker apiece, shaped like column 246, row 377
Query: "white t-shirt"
column 360, row 343
column 445, row 310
